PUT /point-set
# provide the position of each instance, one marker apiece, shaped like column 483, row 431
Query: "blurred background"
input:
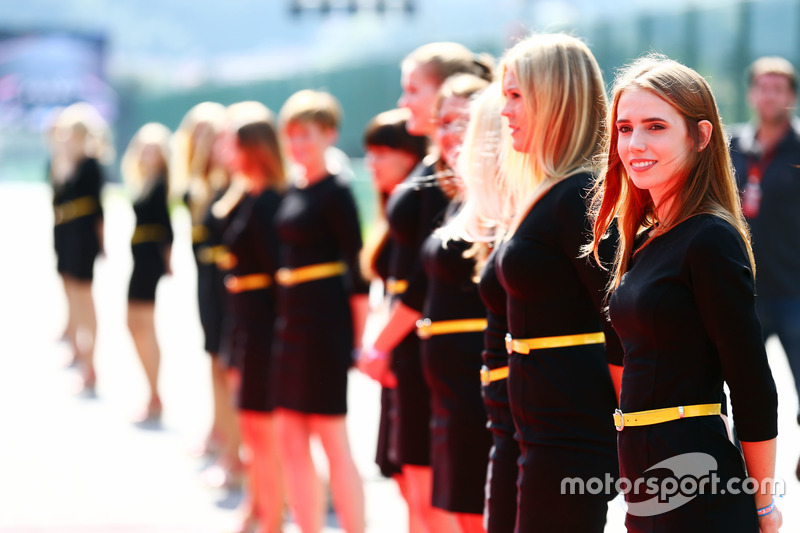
column 70, row 465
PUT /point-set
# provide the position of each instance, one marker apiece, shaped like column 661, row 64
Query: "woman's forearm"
column 760, row 460
column 402, row 321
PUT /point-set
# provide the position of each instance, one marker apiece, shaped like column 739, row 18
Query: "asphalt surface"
column 73, row 464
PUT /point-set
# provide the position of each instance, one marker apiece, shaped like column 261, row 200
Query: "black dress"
column 413, row 213
column 451, row 365
column 685, row 314
column 151, row 238
column 560, row 398
column 253, row 242
column 207, row 245
column 382, row 458
column 501, row 490
column 77, row 211
column 314, row 331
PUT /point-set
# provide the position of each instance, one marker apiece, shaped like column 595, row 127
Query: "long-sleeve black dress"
column 451, row 365
column 207, row 247
column 560, row 398
column 251, row 239
column 151, row 238
column 501, row 490
column 77, row 212
column 685, row 315
column 313, row 351
column 413, row 212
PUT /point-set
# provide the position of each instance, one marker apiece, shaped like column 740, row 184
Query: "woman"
column 413, row 211
column 482, row 220
column 683, row 301
column 199, row 174
column 144, row 168
column 442, row 301
column 560, row 373
column 391, row 154
column 322, row 305
column 252, row 243
column 78, row 143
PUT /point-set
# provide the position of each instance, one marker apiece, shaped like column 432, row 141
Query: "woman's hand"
column 771, row 522
column 375, row 364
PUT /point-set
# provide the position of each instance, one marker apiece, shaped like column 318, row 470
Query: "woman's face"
column 389, row 166
column 419, row 97
column 515, row 111
column 653, row 141
column 451, row 125
column 151, row 163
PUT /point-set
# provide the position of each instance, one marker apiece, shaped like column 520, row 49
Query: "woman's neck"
column 316, row 173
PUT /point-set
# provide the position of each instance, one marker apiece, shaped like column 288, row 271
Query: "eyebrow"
column 647, row 120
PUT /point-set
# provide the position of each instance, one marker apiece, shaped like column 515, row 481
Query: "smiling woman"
column 682, row 302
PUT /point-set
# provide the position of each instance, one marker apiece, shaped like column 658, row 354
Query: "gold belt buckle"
column 509, row 343
column 423, row 324
column 485, row 377
column 621, row 416
column 284, row 276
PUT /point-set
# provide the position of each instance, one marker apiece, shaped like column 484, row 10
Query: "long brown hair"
column 706, row 185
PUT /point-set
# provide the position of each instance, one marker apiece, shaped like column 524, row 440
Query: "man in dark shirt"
column 766, row 155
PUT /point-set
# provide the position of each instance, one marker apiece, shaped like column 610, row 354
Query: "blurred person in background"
column 252, row 244
column 146, row 173
column 442, row 303
column 322, row 305
column 79, row 143
column 391, row 154
column 413, row 211
column 766, row 157
column 200, row 177
column 483, row 220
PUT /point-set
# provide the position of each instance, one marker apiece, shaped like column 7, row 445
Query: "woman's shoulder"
column 707, row 236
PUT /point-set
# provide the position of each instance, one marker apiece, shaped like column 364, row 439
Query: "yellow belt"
column 211, row 254
column 426, row 328
column 149, row 233
column 495, row 374
column 524, row 346
column 292, row 276
column 251, row 282
column 657, row 416
column 396, row 286
column 77, row 208
column 199, row 234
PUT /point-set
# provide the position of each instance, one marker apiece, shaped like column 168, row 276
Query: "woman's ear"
column 704, row 129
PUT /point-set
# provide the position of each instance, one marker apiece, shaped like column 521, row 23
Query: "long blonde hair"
column 706, row 185
column 191, row 167
column 563, row 92
column 151, row 134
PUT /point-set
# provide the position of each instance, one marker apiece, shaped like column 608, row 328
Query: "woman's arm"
column 760, row 460
column 375, row 360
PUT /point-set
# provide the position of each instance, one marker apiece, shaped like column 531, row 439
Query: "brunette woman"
column 683, row 305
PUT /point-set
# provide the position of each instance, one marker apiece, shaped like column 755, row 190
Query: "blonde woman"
column 563, row 353
column 145, row 170
column 199, row 175
column 483, row 220
column 78, row 144
column 683, row 305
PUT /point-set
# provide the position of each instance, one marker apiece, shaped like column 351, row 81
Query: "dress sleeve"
column 342, row 217
column 574, row 233
column 722, row 283
column 414, row 296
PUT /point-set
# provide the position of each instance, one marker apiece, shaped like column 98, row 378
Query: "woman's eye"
column 624, row 129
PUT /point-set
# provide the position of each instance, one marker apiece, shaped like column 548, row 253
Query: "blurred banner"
column 41, row 72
